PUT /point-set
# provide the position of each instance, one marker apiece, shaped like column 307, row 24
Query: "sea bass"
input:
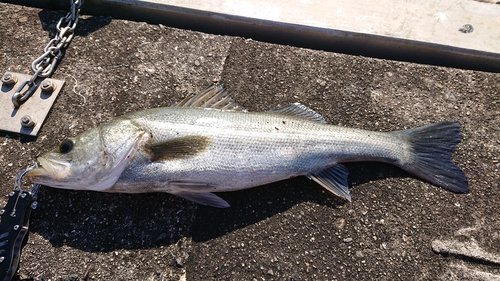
column 207, row 143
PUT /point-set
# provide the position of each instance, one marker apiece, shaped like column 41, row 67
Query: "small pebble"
column 340, row 223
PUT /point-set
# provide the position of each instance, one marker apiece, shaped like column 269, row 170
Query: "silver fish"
column 207, row 143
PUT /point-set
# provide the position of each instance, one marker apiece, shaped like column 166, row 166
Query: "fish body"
column 207, row 144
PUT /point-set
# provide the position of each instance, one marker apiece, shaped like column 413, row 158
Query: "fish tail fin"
column 430, row 150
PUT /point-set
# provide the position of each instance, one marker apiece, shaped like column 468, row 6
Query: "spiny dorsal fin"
column 214, row 96
column 301, row 111
column 334, row 179
column 182, row 147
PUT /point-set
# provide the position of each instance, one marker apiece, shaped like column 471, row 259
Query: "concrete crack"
column 468, row 249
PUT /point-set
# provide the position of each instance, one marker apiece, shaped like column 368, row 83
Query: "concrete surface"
column 452, row 33
column 290, row 230
column 434, row 21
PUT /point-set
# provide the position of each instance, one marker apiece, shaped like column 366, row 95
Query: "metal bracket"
column 28, row 118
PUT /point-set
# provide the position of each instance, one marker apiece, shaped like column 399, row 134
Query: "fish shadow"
column 104, row 222
column 253, row 205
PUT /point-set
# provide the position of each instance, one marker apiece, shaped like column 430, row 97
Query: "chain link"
column 44, row 65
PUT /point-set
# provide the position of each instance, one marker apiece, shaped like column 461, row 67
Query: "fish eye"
column 66, row 146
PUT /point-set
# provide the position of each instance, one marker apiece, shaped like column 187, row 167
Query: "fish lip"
column 44, row 173
column 36, row 174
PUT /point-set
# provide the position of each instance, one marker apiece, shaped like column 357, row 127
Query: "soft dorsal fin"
column 182, row 147
column 301, row 111
column 214, row 96
column 334, row 179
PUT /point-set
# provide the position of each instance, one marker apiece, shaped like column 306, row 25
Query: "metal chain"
column 44, row 65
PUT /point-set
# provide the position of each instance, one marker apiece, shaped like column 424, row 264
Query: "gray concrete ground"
column 396, row 227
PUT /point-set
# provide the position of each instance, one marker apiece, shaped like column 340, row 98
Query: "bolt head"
column 47, row 86
column 9, row 80
column 27, row 121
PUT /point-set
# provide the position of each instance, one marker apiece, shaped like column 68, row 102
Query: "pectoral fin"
column 203, row 198
column 182, row 147
column 334, row 179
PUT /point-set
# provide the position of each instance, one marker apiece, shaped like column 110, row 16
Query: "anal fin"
column 334, row 179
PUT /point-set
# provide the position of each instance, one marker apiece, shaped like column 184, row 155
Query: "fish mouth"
column 35, row 174
column 48, row 171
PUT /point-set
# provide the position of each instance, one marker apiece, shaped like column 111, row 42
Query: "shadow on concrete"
column 85, row 26
column 257, row 204
column 104, row 222
column 17, row 136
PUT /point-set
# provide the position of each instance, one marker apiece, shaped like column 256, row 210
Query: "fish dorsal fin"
column 215, row 96
column 176, row 148
column 301, row 111
column 334, row 179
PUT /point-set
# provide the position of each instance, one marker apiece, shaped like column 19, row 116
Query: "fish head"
column 93, row 160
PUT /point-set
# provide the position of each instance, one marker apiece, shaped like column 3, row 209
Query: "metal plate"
column 37, row 106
